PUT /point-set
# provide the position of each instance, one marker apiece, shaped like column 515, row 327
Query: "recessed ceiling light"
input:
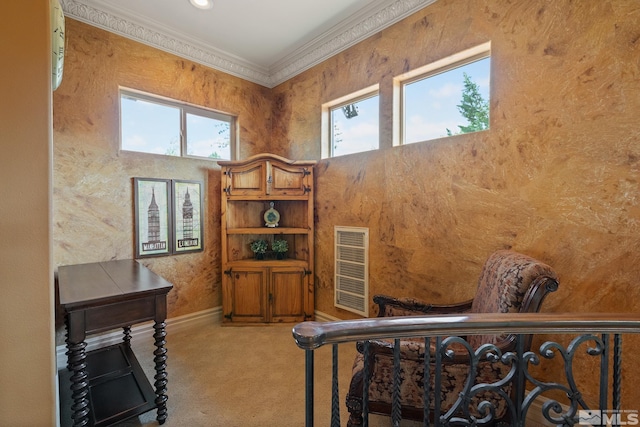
column 202, row 4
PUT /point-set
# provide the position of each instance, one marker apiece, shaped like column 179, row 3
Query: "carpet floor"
column 248, row 376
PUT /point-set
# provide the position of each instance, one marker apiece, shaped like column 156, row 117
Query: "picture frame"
column 188, row 230
column 153, row 217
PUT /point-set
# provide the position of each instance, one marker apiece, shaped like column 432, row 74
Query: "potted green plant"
column 259, row 247
column 280, row 247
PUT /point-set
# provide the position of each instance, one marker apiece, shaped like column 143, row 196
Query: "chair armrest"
column 410, row 349
column 389, row 306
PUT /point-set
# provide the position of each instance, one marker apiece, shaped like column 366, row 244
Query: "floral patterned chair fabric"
column 510, row 282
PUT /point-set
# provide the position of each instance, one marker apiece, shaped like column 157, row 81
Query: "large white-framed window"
column 350, row 124
column 158, row 125
column 445, row 98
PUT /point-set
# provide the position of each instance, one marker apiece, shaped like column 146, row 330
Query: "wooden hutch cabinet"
column 267, row 197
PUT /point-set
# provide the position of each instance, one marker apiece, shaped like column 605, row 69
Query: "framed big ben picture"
column 153, row 220
column 187, row 216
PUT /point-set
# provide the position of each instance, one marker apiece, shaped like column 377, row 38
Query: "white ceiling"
column 264, row 41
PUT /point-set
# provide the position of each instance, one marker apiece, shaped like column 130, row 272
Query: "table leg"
column 66, row 340
column 77, row 365
column 160, row 360
column 127, row 336
column 79, row 385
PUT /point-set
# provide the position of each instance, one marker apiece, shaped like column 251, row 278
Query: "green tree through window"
column 473, row 107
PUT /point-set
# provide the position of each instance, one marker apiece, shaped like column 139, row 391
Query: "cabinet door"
column 287, row 294
column 247, row 180
column 244, row 295
column 287, row 180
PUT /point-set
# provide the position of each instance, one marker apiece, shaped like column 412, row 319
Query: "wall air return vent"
column 352, row 269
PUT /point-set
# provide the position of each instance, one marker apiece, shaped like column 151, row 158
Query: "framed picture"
column 187, row 216
column 153, row 220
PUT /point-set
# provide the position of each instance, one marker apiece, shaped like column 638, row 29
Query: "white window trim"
column 440, row 66
column 185, row 108
column 325, row 121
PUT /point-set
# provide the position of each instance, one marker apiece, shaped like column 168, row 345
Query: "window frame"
column 185, row 108
column 326, row 136
column 440, row 66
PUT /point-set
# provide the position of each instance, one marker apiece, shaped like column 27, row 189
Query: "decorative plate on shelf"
column 271, row 217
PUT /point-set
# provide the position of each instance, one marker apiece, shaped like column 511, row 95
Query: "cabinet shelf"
column 240, row 214
column 243, row 263
column 268, row 198
column 267, row 230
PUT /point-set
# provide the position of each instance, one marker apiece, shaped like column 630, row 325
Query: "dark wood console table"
column 108, row 385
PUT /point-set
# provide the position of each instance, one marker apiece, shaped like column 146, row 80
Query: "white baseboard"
column 144, row 331
column 324, row 317
column 200, row 318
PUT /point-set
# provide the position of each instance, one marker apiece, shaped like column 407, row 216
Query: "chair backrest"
column 511, row 282
column 506, row 278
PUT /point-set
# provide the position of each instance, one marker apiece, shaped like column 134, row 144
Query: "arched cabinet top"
column 266, row 157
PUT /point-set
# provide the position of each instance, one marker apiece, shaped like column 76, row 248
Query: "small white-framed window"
column 445, row 98
column 351, row 124
column 158, row 125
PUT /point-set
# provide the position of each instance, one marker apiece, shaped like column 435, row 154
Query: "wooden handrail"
column 312, row 335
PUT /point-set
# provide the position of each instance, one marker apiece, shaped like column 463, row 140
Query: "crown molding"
column 150, row 33
column 362, row 25
column 379, row 15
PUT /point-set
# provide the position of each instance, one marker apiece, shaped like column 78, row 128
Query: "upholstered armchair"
column 510, row 282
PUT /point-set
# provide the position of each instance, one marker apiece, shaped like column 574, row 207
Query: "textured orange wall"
column 93, row 191
column 555, row 177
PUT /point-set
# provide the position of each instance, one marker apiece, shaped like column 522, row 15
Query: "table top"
column 86, row 285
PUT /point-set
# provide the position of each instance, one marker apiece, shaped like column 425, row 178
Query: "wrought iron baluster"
column 427, row 379
column 520, row 378
column 396, row 411
column 617, row 371
column 366, row 381
column 335, row 405
column 437, row 382
column 604, row 372
column 308, row 389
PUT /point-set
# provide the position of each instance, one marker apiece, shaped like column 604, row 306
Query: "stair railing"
column 593, row 329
